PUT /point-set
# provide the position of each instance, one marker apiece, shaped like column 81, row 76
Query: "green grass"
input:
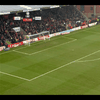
column 49, row 69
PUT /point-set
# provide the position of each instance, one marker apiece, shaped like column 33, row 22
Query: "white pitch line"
column 89, row 60
column 14, row 76
column 20, row 52
column 63, row 65
column 52, row 47
column 87, row 55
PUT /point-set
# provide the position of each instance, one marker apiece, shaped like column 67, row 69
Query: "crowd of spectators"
column 6, row 31
column 53, row 20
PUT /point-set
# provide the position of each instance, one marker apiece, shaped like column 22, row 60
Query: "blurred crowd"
column 53, row 20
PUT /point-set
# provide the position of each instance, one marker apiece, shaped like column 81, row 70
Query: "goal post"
column 39, row 36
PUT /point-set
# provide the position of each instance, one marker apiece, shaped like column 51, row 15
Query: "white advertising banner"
column 17, row 18
column 1, row 48
column 93, row 24
column 38, row 18
column 76, row 28
column 16, row 29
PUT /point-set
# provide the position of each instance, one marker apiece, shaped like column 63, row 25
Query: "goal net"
column 36, row 37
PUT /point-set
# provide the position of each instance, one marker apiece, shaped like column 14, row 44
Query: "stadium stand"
column 53, row 20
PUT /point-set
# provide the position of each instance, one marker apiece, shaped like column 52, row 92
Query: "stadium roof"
column 7, row 9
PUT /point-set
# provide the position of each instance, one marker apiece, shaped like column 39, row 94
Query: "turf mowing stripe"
column 5, row 52
column 94, row 32
column 64, row 65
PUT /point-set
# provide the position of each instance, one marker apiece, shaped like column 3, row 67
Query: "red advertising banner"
column 15, row 44
column 27, row 19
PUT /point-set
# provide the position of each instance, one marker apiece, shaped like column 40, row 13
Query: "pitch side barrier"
column 47, row 36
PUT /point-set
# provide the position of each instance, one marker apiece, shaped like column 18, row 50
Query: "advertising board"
column 16, row 29
column 93, row 24
column 27, row 19
column 17, row 18
column 15, row 44
column 76, row 28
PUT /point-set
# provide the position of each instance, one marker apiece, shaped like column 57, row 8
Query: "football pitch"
column 64, row 65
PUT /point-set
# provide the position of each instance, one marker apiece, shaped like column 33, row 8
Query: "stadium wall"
column 89, row 10
column 47, row 36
